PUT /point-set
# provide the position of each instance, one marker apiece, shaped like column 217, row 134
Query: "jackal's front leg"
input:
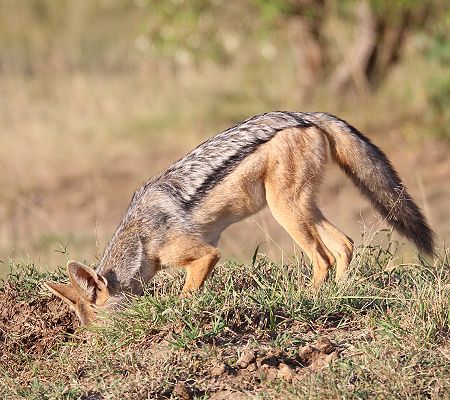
column 192, row 253
column 199, row 270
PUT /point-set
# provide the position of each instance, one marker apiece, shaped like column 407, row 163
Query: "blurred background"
column 97, row 96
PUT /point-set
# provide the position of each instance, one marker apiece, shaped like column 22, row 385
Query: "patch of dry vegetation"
column 254, row 331
column 87, row 115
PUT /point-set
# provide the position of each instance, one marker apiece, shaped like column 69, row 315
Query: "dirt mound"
column 257, row 367
column 34, row 325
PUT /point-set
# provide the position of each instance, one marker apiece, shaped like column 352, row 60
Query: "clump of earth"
column 34, row 325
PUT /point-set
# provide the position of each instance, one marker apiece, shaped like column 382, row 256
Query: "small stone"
column 218, row 370
column 324, row 345
column 285, row 372
column 182, row 391
column 228, row 395
column 323, row 361
column 306, row 354
column 246, row 358
column 251, row 367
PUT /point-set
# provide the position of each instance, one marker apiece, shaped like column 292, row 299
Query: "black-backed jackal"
column 278, row 159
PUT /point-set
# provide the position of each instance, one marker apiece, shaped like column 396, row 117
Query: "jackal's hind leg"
column 299, row 222
column 296, row 166
column 338, row 243
column 308, row 238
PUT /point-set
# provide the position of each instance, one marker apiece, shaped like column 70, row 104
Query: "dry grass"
column 74, row 149
column 85, row 119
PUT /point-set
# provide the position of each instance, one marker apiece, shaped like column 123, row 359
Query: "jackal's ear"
column 65, row 292
column 91, row 286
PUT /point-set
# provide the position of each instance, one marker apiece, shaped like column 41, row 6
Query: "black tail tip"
column 423, row 238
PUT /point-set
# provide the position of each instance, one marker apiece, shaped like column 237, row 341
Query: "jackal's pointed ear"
column 65, row 292
column 91, row 286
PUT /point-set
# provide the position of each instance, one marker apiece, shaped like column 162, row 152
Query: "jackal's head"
column 86, row 293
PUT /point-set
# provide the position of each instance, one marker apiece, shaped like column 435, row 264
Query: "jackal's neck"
column 125, row 263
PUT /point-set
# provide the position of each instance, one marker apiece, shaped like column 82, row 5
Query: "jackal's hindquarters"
column 291, row 185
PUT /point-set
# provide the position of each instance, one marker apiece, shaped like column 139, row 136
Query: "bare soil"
column 39, row 327
column 35, row 326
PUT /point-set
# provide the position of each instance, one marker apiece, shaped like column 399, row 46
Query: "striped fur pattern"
column 191, row 178
column 276, row 159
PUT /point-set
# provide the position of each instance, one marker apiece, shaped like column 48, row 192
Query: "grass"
column 389, row 326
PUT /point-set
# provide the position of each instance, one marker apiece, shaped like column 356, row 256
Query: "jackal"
column 278, row 158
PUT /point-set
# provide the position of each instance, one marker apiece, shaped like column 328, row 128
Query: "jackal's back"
column 192, row 177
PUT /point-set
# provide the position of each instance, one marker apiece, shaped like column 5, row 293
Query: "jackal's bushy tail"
column 372, row 173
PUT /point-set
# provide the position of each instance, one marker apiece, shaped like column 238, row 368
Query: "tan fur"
column 176, row 219
column 285, row 174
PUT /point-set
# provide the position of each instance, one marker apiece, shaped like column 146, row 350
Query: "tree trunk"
column 381, row 38
column 353, row 69
column 310, row 51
